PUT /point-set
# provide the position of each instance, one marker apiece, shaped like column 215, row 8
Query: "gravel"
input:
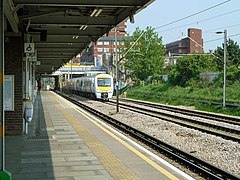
column 222, row 153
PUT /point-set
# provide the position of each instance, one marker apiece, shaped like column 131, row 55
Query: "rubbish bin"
column 28, row 110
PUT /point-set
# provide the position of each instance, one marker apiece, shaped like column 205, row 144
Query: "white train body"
column 99, row 86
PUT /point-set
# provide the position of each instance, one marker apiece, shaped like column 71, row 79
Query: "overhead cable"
column 221, row 38
column 226, row 27
column 172, row 23
column 194, row 14
column 201, row 20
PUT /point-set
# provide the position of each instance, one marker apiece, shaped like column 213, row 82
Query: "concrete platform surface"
column 65, row 144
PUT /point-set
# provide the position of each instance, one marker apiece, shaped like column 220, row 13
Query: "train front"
column 104, row 86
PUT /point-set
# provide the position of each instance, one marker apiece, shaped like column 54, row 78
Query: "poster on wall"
column 9, row 92
column 98, row 60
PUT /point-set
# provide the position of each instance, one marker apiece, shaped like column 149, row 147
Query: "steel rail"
column 175, row 119
column 204, row 168
column 211, row 116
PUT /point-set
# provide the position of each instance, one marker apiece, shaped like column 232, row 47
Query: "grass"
column 198, row 97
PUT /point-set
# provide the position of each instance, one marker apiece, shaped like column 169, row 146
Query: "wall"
column 196, row 43
column 13, row 53
column 187, row 45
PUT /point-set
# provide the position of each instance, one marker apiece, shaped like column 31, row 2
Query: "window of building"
column 106, row 49
column 99, row 50
column 99, row 43
column 106, row 42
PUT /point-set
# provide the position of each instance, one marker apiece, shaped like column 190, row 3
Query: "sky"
column 210, row 17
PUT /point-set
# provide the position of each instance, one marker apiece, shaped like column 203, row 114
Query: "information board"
column 9, row 92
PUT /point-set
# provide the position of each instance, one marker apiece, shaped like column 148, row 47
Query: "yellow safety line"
column 1, row 78
column 152, row 163
column 113, row 165
column 1, row 130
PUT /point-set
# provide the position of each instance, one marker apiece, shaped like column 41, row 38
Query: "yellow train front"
column 103, row 86
column 99, row 86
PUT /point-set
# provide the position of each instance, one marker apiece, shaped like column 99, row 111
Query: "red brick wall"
column 13, row 53
column 196, row 35
column 93, row 53
column 188, row 45
column 184, row 48
column 121, row 28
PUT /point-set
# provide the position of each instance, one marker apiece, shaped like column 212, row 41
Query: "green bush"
column 193, row 95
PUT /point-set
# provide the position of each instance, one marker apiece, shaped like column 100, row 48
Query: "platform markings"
column 109, row 161
column 152, row 163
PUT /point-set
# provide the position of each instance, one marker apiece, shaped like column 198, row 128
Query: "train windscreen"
column 104, row 82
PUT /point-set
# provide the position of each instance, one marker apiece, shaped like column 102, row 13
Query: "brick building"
column 102, row 52
column 192, row 43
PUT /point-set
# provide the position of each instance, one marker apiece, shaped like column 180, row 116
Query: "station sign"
column 28, row 47
column 32, row 56
column 32, row 59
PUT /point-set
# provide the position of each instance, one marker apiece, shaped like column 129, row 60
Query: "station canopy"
column 61, row 29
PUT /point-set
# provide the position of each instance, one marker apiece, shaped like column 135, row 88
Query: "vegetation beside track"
column 199, row 97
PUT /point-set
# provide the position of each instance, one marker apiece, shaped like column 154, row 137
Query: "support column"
column 4, row 175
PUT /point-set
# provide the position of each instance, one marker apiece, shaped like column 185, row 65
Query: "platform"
column 65, row 143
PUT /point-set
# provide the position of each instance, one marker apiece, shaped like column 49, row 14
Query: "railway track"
column 210, row 116
column 187, row 121
column 203, row 168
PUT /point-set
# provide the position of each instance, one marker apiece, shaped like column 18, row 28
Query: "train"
column 99, row 86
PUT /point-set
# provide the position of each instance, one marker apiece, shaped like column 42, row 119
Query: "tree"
column 190, row 67
column 147, row 56
column 233, row 59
